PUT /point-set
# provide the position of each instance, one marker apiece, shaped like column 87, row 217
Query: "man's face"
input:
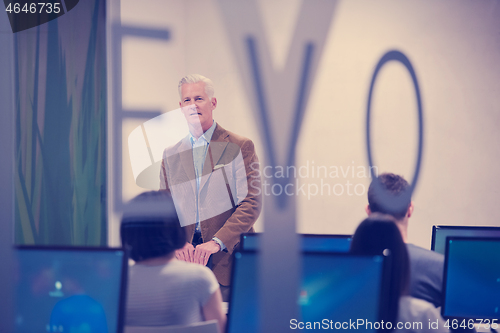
column 197, row 106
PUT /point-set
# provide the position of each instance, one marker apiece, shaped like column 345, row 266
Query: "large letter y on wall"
column 278, row 98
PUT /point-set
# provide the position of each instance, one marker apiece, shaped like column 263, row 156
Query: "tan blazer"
column 230, row 195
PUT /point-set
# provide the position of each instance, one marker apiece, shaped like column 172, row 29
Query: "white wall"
column 454, row 47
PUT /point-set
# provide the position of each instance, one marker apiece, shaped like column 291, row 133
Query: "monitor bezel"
column 384, row 284
column 445, row 274
column 123, row 276
column 457, row 227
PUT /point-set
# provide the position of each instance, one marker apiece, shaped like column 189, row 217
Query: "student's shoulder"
column 415, row 308
column 421, row 253
column 190, row 269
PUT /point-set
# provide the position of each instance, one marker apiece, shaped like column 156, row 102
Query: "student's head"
column 375, row 236
column 391, row 186
column 150, row 227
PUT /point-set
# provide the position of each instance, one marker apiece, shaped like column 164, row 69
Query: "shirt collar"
column 207, row 136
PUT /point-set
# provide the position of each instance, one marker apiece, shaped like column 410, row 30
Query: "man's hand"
column 186, row 253
column 203, row 251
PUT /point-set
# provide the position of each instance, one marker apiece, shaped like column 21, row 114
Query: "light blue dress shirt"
column 200, row 149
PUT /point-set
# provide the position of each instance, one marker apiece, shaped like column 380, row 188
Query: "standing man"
column 214, row 179
column 426, row 267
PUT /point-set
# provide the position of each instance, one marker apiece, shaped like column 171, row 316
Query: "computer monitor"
column 471, row 286
column 440, row 232
column 243, row 313
column 65, row 289
column 309, row 242
column 334, row 286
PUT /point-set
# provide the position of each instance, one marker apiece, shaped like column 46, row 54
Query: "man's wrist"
column 221, row 245
column 213, row 240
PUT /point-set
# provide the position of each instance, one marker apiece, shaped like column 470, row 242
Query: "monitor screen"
column 472, row 278
column 337, row 287
column 310, row 242
column 440, row 232
column 69, row 289
column 244, row 299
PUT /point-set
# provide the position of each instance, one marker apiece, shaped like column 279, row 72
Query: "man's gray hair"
column 193, row 78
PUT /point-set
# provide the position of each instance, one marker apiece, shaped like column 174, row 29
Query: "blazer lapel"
column 187, row 163
column 216, row 148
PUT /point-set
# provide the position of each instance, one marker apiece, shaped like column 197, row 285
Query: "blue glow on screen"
column 334, row 287
column 51, row 284
column 473, row 279
column 340, row 288
column 244, row 304
column 313, row 243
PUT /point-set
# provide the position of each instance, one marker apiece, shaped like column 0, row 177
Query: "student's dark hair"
column 373, row 236
column 150, row 227
column 392, row 185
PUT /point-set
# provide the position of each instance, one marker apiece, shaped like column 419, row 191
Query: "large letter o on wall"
column 392, row 203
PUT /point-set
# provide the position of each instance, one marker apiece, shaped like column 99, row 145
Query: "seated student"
column 162, row 290
column 426, row 267
column 374, row 236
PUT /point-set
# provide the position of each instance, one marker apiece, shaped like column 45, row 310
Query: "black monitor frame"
column 458, row 227
column 445, row 274
column 124, row 274
column 231, row 290
column 384, row 285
